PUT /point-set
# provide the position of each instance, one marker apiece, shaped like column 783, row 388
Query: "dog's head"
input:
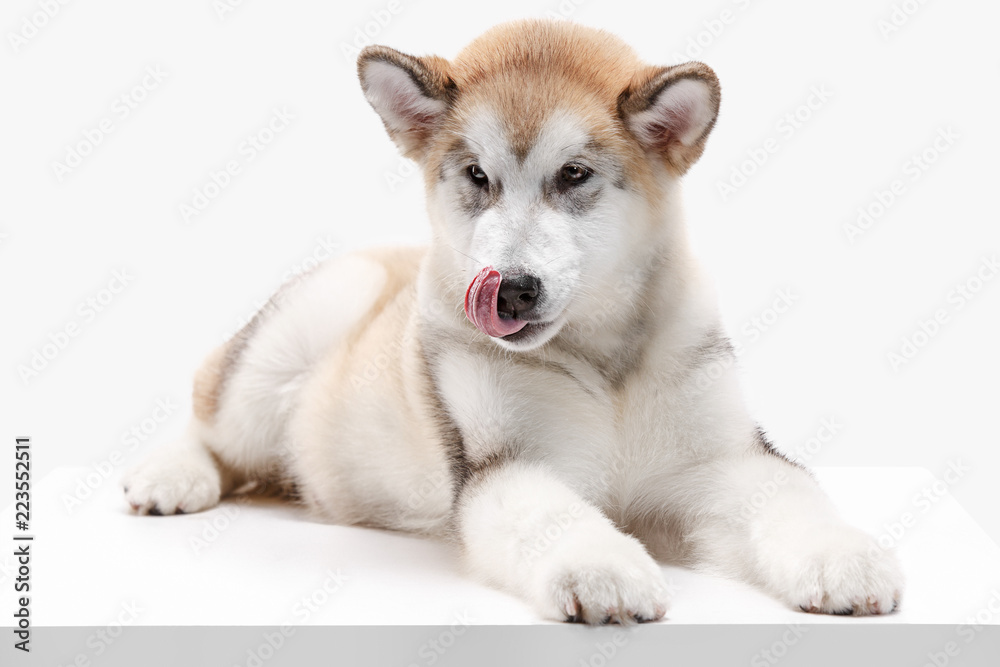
column 548, row 151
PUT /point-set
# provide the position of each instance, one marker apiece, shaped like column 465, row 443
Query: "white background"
column 325, row 179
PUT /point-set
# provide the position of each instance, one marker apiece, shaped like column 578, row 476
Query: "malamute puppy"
column 543, row 383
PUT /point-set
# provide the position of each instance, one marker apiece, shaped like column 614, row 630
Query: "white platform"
column 261, row 559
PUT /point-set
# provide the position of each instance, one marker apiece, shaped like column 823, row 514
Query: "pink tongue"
column 481, row 305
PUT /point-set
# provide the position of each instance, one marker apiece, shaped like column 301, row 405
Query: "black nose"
column 518, row 295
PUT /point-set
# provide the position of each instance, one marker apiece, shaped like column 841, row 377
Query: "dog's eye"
column 477, row 175
column 574, row 174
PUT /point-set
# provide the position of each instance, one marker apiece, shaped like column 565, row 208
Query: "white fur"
column 528, row 532
column 584, row 469
column 308, row 318
column 180, row 479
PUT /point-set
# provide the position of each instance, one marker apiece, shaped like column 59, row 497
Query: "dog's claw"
column 572, row 609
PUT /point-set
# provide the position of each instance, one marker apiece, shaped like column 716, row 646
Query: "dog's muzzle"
column 500, row 306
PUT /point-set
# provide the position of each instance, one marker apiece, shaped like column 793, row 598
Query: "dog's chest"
column 614, row 441
column 622, row 440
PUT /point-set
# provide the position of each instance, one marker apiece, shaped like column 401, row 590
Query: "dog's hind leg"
column 186, row 476
column 247, row 391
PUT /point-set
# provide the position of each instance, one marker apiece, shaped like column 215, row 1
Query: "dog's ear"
column 671, row 110
column 410, row 94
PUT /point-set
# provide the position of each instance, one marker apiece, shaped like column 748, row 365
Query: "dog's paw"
column 849, row 574
column 176, row 480
column 613, row 582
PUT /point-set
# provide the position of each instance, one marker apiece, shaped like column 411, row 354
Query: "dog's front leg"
column 525, row 531
column 531, row 434
column 768, row 521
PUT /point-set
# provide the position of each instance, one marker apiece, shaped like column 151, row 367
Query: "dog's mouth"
column 493, row 314
column 527, row 333
column 481, row 306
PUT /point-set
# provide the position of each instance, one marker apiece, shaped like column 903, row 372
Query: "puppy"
column 548, row 383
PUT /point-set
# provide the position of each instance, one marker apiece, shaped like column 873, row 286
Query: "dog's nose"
column 518, row 295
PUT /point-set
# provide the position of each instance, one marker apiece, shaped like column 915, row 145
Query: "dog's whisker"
column 463, row 254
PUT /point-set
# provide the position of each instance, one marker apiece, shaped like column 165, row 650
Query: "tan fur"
column 526, row 70
column 366, row 387
column 375, row 376
column 401, row 265
column 651, row 80
column 208, row 384
column 430, row 75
